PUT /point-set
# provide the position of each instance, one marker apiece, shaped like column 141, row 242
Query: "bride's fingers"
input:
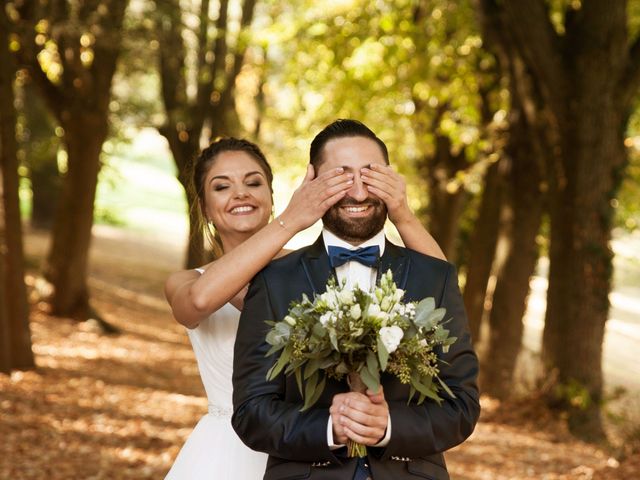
column 382, row 173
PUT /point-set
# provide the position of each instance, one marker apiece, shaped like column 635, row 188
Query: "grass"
column 138, row 189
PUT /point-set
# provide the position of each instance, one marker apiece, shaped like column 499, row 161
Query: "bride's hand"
column 390, row 187
column 314, row 197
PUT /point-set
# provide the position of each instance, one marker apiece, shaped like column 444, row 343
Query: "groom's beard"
column 355, row 230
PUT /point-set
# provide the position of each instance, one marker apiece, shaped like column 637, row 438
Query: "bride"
column 232, row 179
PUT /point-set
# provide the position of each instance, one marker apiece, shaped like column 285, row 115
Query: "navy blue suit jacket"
column 267, row 414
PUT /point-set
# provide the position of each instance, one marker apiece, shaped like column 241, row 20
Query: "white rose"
column 290, row 320
column 355, row 312
column 390, row 337
column 346, row 297
column 374, row 310
column 325, row 318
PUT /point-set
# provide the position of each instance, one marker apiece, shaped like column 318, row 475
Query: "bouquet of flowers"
column 351, row 333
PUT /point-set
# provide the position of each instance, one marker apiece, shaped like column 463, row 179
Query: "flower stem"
column 355, row 449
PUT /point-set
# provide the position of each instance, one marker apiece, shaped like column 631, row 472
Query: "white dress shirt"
column 354, row 273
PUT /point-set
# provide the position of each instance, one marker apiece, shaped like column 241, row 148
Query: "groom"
column 404, row 440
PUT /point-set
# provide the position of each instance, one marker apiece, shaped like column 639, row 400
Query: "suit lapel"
column 317, row 268
column 395, row 260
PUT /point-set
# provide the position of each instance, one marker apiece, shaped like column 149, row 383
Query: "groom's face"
column 360, row 214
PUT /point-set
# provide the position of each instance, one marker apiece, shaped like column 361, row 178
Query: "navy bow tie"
column 368, row 256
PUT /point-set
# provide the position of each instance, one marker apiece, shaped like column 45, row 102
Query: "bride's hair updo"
column 201, row 166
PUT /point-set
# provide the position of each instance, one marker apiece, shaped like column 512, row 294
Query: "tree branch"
column 241, row 48
column 106, row 51
column 204, row 70
column 530, row 29
column 172, row 54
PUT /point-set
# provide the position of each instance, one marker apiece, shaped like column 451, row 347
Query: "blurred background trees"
column 515, row 124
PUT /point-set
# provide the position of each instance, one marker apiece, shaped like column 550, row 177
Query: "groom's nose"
column 358, row 190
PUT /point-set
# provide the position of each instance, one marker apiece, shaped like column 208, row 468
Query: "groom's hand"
column 361, row 418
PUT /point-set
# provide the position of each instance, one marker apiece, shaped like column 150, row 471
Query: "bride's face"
column 237, row 194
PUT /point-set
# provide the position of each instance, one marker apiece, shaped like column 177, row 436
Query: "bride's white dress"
column 213, row 450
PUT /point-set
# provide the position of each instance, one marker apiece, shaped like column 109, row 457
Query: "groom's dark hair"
column 341, row 128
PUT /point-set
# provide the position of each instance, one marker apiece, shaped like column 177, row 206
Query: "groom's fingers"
column 362, row 420
column 364, row 436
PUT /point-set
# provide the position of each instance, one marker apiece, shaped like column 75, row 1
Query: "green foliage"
column 391, row 64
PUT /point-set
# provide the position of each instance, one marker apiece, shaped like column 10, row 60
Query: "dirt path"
column 120, row 407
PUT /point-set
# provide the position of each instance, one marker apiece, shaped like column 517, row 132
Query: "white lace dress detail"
column 213, row 450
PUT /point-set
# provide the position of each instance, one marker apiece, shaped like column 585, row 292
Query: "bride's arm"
column 390, row 186
column 193, row 297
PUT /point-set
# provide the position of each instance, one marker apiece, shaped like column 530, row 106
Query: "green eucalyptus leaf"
column 383, row 355
column 372, row 382
column 426, row 391
column 311, row 368
column 333, row 336
column 372, row 364
column 445, row 387
column 279, row 365
column 298, row 375
column 310, row 387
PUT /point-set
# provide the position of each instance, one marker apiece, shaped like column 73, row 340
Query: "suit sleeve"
column 429, row 428
column 262, row 418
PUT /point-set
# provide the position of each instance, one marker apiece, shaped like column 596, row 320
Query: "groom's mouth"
column 357, row 211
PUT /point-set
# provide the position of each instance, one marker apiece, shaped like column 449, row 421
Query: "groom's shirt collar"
column 330, row 238
column 354, row 273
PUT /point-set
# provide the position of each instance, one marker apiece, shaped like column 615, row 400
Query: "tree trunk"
column 184, row 148
column 516, row 256
column 581, row 260
column 482, row 249
column 446, row 198
column 45, row 189
column 17, row 307
column 67, row 262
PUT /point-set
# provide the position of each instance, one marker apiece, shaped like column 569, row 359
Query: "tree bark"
column 67, row 263
column 482, row 249
column 15, row 292
column 516, row 256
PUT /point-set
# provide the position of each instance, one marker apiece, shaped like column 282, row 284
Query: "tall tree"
column 14, row 318
column 588, row 72
column 521, row 209
column 199, row 96
column 71, row 50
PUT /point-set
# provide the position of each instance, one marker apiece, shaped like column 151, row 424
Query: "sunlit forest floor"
column 120, row 407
